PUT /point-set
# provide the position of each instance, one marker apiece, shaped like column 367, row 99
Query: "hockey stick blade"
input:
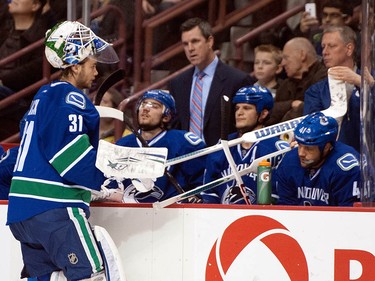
column 109, row 82
column 109, row 112
column 196, row 191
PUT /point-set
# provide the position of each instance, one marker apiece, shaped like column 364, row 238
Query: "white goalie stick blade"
column 111, row 257
column 251, row 169
column 339, row 104
column 130, row 162
column 336, row 110
column 109, row 112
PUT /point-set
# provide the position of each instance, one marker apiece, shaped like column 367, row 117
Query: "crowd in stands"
column 292, row 81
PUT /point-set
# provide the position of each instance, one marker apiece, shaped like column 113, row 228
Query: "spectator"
column 267, row 67
column 334, row 13
column 253, row 107
column 339, row 47
column 155, row 109
column 320, row 171
column 22, row 27
column 216, row 77
column 51, row 186
column 111, row 98
column 26, row 27
column 303, row 69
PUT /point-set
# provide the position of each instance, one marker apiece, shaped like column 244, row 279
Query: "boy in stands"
column 267, row 67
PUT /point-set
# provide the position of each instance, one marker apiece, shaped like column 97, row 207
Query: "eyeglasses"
column 334, row 15
column 150, row 104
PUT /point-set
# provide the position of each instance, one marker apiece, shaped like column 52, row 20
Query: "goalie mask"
column 316, row 129
column 259, row 96
column 70, row 42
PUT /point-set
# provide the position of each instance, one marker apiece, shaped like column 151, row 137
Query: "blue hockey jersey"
column 55, row 166
column 189, row 174
column 218, row 166
column 335, row 183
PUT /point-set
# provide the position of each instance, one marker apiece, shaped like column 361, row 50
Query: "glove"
column 109, row 191
column 143, row 185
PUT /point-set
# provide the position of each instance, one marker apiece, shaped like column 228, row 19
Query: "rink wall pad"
column 231, row 243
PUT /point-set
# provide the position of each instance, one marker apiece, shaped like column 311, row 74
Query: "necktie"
column 196, row 113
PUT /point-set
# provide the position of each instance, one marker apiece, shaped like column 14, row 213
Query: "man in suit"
column 216, row 78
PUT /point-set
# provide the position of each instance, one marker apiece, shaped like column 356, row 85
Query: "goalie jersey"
column 55, row 165
column 218, row 166
column 335, row 183
column 189, row 174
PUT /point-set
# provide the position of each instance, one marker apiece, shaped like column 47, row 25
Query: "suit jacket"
column 226, row 81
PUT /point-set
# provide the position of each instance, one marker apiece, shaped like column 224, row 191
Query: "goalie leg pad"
column 59, row 276
column 111, row 257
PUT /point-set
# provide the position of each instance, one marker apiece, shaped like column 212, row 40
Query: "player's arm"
column 211, row 173
column 346, row 182
column 283, row 189
column 192, row 170
column 72, row 147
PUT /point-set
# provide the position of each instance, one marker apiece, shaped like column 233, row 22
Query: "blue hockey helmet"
column 316, row 129
column 164, row 98
column 260, row 96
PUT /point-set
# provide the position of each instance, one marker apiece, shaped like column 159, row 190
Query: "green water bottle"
column 264, row 183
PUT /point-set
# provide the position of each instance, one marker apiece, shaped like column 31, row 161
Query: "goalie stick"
column 225, row 119
column 109, row 82
column 251, row 169
column 336, row 110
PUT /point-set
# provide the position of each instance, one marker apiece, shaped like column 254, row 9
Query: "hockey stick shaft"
column 225, row 108
column 196, row 191
column 109, row 82
column 336, row 110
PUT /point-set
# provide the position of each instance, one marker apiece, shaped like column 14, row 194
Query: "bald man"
column 303, row 69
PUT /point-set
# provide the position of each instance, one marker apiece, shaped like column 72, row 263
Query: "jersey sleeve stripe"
column 71, row 153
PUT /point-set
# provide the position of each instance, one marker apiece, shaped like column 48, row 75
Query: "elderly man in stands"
column 303, row 69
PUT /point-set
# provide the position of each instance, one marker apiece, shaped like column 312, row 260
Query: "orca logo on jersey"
column 192, row 138
column 347, row 161
column 252, row 232
column 76, row 99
